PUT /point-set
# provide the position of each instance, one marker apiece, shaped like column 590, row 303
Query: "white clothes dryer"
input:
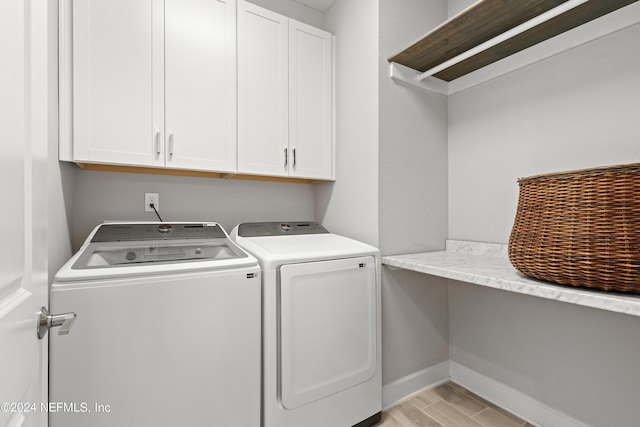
column 321, row 325
column 167, row 330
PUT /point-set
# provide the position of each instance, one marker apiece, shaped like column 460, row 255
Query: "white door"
column 310, row 102
column 117, row 81
column 327, row 328
column 23, row 253
column 200, row 84
column 263, row 81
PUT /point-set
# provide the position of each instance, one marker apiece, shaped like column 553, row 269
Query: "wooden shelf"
column 487, row 19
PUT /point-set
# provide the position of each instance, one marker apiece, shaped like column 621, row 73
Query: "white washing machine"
column 321, row 325
column 167, row 330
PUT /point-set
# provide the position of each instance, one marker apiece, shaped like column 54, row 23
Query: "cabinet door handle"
column 294, row 157
column 171, row 144
column 286, row 157
column 157, row 140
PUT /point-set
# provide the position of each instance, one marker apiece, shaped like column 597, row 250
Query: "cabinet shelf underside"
column 192, row 173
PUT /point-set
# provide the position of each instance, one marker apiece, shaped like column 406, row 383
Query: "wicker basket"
column 580, row 228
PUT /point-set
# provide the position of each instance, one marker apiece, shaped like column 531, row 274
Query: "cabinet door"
column 310, row 102
column 200, row 84
column 262, row 91
column 117, row 46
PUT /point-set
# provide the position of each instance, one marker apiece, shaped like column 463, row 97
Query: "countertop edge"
column 479, row 269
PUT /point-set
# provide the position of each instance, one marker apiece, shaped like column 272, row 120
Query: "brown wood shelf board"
column 482, row 21
column 487, row 19
column 558, row 25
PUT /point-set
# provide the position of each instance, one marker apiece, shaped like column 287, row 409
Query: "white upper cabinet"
column 285, row 95
column 200, row 84
column 263, row 80
column 310, row 101
column 161, row 84
column 154, row 83
column 113, row 70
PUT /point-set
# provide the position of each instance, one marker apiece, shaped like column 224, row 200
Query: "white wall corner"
column 405, row 387
column 406, row 75
column 514, row 401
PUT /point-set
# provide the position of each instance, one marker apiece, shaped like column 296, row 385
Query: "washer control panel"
column 256, row 229
column 157, row 231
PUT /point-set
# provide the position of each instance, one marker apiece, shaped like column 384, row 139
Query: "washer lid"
column 116, row 250
column 117, row 254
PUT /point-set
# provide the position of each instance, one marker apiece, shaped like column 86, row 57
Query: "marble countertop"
column 487, row 264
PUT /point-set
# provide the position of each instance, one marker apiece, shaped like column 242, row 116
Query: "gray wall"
column 413, row 139
column 578, row 360
column 350, row 205
column 60, row 208
column 456, row 6
column 104, row 196
column 412, row 195
column 574, row 110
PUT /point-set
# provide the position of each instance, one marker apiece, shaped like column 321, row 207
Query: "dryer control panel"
column 256, row 229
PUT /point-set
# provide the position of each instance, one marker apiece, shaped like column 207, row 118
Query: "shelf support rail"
column 550, row 14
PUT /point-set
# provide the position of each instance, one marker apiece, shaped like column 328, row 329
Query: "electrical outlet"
column 151, row 198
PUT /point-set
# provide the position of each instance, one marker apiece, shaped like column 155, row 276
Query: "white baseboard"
column 405, row 387
column 513, row 400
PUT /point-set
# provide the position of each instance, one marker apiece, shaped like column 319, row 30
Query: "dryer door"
column 327, row 328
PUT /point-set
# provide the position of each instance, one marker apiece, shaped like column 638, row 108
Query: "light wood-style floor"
column 448, row 405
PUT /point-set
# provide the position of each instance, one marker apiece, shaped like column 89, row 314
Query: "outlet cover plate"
column 150, row 198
